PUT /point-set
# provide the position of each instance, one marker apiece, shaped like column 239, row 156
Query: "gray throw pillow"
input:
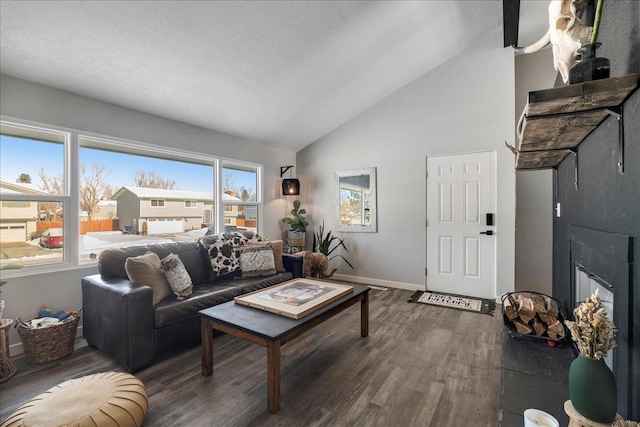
column 146, row 270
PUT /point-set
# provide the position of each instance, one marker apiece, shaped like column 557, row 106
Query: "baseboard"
column 378, row 282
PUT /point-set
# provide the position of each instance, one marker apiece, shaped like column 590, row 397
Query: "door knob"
column 488, row 232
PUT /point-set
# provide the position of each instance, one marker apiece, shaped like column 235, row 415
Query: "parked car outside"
column 51, row 238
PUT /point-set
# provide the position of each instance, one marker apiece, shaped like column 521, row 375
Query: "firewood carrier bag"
column 533, row 314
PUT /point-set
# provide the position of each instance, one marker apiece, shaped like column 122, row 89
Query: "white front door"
column 461, row 258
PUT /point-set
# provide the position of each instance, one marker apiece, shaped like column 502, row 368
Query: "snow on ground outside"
column 97, row 241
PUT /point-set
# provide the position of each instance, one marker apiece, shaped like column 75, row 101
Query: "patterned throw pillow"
column 241, row 237
column 222, row 256
column 146, row 270
column 223, row 250
column 278, row 247
column 257, row 260
column 177, row 276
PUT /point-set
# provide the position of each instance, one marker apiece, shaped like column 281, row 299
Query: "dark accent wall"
column 606, row 200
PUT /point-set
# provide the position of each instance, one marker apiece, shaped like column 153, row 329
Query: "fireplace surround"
column 605, row 258
column 600, row 211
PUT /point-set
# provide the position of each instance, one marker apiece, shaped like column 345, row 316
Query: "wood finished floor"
column 420, row 366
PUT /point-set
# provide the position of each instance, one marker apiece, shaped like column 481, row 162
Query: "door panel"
column 460, row 192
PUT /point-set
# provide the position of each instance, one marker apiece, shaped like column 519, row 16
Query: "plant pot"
column 592, row 389
column 589, row 67
column 295, row 238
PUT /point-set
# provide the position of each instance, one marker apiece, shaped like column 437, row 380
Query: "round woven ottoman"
column 106, row 399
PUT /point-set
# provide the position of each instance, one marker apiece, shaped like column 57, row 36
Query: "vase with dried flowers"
column 591, row 67
column 592, row 385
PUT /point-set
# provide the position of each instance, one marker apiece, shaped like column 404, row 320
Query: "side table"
column 7, row 368
column 577, row 420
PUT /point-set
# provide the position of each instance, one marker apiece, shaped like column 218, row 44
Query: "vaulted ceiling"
column 279, row 72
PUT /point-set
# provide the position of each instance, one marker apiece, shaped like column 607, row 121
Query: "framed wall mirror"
column 356, row 200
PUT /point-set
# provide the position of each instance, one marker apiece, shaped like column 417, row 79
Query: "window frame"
column 160, row 203
column 74, row 140
column 258, row 202
column 69, row 197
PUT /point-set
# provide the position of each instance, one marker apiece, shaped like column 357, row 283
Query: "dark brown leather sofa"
column 120, row 319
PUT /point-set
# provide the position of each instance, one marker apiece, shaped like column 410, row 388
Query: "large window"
column 240, row 185
column 127, row 194
column 34, row 193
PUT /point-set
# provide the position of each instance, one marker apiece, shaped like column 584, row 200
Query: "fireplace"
column 586, row 284
column 603, row 261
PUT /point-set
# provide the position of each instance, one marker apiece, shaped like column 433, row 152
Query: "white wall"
column 28, row 101
column 464, row 105
column 534, row 201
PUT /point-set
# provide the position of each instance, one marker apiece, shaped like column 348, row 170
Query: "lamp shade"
column 290, row 187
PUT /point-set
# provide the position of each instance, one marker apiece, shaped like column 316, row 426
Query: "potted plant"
column 590, row 67
column 297, row 224
column 592, row 385
column 322, row 243
column 4, row 282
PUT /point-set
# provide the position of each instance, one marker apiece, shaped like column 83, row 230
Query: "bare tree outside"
column 152, row 180
column 24, row 178
column 53, row 185
column 229, row 183
column 109, row 191
column 230, row 186
column 93, row 188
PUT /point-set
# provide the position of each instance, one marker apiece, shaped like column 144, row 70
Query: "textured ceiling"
column 280, row 72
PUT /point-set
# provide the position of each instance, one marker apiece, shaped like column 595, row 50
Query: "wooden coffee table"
column 272, row 331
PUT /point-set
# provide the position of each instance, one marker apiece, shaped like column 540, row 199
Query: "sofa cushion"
column 256, row 260
column 146, row 270
column 177, row 276
column 206, row 295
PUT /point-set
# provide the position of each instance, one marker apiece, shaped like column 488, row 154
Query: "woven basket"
column 47, row 344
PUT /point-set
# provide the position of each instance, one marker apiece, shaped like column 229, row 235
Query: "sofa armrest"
column 118, row 319
column 293, row 263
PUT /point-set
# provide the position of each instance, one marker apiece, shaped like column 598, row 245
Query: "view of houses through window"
column 240, row 193
column 126, row 194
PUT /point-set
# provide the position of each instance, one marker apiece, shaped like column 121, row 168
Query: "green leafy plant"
column 8, row 267
column 297, row 221
column 322, row 243
column 596, row 23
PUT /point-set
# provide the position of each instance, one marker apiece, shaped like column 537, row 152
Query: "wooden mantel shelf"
column 557, row 120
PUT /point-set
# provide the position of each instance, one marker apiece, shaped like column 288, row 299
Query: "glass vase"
column 589, row 67
column 592, row 389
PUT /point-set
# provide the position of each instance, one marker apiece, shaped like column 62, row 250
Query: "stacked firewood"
column 534, row 314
